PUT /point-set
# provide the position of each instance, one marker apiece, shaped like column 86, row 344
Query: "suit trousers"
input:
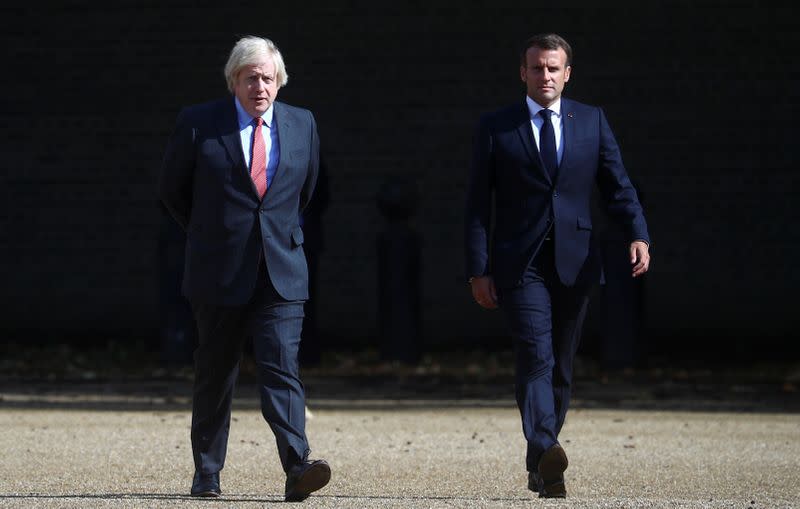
column 545, row 319
column 274, row 325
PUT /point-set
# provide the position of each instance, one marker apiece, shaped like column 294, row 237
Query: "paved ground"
column 111, row 450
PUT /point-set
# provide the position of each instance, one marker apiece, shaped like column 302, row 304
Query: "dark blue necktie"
column 547, row 144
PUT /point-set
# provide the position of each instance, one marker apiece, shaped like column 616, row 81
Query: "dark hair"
column 546, row 41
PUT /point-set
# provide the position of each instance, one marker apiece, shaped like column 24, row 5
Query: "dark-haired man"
column 535, row 165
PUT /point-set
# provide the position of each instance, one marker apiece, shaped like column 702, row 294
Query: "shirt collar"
column 245, row 119
column 534, row 108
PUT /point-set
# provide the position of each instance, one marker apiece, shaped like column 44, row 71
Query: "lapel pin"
column 570, row 114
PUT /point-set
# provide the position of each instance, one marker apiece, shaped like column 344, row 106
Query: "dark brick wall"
column 701, row 95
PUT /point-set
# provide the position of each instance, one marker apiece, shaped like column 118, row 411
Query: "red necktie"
column 258, row 162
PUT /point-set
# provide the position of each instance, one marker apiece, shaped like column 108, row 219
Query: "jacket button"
column 555, row 194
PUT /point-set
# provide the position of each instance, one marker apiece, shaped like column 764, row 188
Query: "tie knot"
column 545, row 113
column 258, row 121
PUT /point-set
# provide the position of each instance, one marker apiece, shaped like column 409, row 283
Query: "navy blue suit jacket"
column 510, row 189
column 208, row 190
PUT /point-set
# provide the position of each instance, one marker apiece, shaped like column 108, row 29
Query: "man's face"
column 256, row 87
column 545, row 73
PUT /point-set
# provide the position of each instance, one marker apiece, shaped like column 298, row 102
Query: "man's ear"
column 567, row 72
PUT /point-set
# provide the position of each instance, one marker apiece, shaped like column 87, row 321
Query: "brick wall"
column 701, row 96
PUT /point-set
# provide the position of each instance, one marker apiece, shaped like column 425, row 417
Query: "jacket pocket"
column 584, row 223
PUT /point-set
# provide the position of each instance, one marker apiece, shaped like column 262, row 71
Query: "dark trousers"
column 274, row 325
column 545, row 318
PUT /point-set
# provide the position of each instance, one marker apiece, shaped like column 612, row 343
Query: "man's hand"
column 640, row 258
column 484, row 292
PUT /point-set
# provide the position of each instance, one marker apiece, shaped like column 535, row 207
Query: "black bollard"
column 623, row 302
column 399, row 274
column 177, row 329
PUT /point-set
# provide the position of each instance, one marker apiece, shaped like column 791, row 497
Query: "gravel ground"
column 434, row 454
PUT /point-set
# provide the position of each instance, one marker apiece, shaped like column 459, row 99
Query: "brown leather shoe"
column 552, row 464
column 306, row 478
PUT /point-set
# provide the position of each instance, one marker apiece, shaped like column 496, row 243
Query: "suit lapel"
column 568, row 132
column 231, row 138
column 525, row 131
column 229, row 132
column 280, row 119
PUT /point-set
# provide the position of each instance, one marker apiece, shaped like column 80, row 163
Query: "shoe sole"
column 206, row 494
column 315, row 478
column 556, row 490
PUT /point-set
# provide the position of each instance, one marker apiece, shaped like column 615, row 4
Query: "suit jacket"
column 208, row 190
column 510, row 189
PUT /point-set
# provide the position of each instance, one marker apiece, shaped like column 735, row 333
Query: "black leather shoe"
column 534, row 482
column 205, row 485
column 305, row 478
column 551, row 472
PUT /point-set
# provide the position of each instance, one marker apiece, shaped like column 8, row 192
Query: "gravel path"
column 411, row 456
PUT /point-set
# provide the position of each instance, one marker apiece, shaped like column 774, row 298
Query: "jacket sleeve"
column 313, row 166
column 177, row 171
column 616, row 187
column 479, row 203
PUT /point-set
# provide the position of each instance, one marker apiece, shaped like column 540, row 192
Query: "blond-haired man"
column 236, row 175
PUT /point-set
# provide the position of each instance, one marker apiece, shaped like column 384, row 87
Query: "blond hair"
column 249, row 50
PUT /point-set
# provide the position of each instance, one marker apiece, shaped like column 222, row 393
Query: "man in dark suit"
column 236, row 175
column 535, row 165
